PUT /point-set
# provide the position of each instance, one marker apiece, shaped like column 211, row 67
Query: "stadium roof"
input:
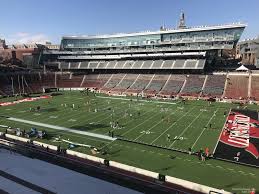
column 242, row 68
column 167, row 31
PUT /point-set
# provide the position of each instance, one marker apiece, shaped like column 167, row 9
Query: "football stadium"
column 171, row 109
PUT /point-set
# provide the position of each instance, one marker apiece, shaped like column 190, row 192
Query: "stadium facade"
column 188, row 48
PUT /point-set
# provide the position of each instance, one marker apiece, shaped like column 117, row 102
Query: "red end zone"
column 239, row 139
column 23, row 100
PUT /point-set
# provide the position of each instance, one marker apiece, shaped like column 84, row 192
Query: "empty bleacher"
column 128, row 64
column 112, row 82
column 5, row 85
column 237, row 87
column 74, row 65
column 156, row 84
column 214, row 86
column 84, row 65
column 255, row 87
column 173, row 85
column 147, row 64
column 120, row 64
column 140, row 84
column 95, row 80
column 157, row 64
column 178, row 64
column 193, row 85
column 190, row 64
column 48, row 80
column 64, row 81
column 32, row 83
column 102, row 64
column 136, row 64
column 93, row 64
column 111, row 65
column 167, row 64
column 127, row 81
column 64, row 65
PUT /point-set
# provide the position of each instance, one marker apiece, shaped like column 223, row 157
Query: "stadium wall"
column 155, row 176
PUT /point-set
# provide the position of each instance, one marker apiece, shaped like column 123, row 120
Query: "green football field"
column 174, row 125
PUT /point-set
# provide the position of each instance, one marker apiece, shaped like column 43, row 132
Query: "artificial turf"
column 173, row 124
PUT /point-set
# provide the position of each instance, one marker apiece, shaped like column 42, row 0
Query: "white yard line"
column 65, row 118
column 127, row 99
column 74, row 116
column 154, row 125
column 135, row 120
column 75, row 135
column 63, row 129
column 139, row 124
column 172, row 125
column 204, row 128
column 187, row 127
column 221, row 132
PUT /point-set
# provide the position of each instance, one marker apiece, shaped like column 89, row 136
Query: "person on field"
column 203, row 157
column 237, row 156
column 190, row 151
column 168, row 137
column 200, row 154
column 253, row 191
column 225, row 113
column 112, row 134
column 207, row 152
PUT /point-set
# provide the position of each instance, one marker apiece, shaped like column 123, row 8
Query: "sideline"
column 135, row 100
column 63, row 129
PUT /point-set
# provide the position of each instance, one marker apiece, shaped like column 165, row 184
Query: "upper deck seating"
column 147, row 64
column 157, row 64
column 128, row 64
column 93, row 64
column 84, row 64
column 74, row 65
column 111, row 65
column 179, row 64
column 120, row 64
column 64, row 65
column 190, row 64
column 168, row 64
column 103, row 64
column 137, row 64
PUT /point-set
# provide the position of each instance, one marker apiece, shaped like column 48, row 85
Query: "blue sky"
column 34, row 20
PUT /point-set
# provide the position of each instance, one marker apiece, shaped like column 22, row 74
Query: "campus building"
column 247, row 51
